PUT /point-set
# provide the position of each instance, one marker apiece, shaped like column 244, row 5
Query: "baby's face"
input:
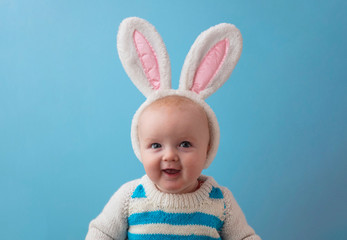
column 174, row 141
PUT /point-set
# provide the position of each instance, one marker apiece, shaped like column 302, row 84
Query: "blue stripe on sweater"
column 139, row 192
column 132, row 236
column 216, row 193
column 157, row 217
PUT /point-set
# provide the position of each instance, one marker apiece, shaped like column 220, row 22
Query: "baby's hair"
column 175, row 100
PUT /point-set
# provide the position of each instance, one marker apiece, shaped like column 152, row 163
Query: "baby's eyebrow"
column 189, row 137
column 150, row 139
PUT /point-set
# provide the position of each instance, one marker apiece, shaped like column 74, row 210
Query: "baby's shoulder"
column 129, row 187
column 124, row 191
column 217, row 188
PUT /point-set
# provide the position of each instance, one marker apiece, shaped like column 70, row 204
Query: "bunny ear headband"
column 207, row 66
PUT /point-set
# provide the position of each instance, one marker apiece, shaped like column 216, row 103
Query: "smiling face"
column 174, row 141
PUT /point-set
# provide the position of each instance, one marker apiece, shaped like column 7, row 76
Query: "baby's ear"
column 211, row 59
column 143, row 55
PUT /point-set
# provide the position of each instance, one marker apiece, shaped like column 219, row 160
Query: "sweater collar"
column 186, row 200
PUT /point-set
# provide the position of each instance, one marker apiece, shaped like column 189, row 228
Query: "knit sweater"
column 139, row 211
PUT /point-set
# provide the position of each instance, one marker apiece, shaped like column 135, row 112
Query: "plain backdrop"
column 66, row 106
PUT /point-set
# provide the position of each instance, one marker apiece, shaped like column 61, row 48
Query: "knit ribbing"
column 176, row 201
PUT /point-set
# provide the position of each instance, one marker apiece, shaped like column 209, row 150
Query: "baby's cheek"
column 196, row 164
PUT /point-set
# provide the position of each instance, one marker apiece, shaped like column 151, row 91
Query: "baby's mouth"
column 171, row 171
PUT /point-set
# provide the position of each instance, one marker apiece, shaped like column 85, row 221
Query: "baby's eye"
column 155, row 145
column 185, row 144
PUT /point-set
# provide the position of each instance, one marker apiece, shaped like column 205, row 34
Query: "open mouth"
column 171, row 171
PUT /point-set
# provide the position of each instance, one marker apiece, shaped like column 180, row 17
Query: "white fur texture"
column 206, row 40
column 130, row 59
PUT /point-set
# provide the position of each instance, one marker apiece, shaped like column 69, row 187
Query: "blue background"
column 66, row 105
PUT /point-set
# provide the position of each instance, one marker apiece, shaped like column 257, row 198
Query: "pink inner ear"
column 210, row 65
column 148, row 59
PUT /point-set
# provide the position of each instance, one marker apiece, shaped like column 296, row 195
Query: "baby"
column 175, row 135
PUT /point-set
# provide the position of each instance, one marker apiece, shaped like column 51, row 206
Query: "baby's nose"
column 170, row 155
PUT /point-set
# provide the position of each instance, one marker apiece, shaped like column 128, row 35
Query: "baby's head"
column 174, row 139
column 176, row 130
column 178, row 107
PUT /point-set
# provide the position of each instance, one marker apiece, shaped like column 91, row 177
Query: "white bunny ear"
column 143, row 55
column 211, row 59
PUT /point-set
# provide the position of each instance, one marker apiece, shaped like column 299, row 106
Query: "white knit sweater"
column 138, row 210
